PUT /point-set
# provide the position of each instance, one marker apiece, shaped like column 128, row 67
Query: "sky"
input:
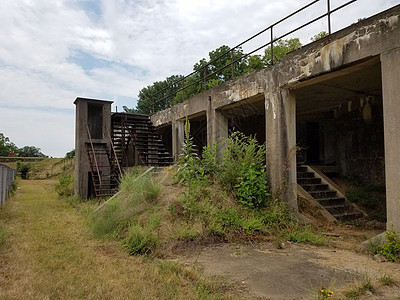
column 52, row 52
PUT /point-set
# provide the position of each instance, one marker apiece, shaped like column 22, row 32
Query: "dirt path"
column 50, row 254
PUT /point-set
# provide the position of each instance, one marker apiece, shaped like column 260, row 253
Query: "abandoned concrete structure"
column 338, row 99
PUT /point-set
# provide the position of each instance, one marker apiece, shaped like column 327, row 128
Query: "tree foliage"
column 30, row 151
column 214, row 69
column 6, row 146
column 319, row 36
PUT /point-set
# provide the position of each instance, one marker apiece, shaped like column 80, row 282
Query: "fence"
column 161, row 100
column 7, row 176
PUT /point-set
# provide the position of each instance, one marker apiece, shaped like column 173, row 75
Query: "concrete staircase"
column 323, row 190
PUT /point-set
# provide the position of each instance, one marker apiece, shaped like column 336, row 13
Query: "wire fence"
column 162, row 99
column 7, row 176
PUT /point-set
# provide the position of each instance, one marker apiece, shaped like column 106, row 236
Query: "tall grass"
column 138, row 194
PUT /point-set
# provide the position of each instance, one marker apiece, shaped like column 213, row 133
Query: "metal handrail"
column 273, row 39
column 94, row 156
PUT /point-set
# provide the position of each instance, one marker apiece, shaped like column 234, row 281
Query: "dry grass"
column 50, row 254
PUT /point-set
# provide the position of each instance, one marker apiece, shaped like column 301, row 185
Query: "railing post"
column 204, row 78
column 272, row 45
column 233, row 69
column 183, row 89
column 329, row 16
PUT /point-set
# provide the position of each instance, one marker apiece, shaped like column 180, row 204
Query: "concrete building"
column 337, row 98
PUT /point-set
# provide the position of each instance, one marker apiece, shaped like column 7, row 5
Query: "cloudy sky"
column 54, row 51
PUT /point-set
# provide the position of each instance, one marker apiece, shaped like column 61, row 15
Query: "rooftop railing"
column 162, row 99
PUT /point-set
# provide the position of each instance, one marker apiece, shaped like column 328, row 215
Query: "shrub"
column 390, row 248
column 241, row 152
column 24, row 169
column 252, row 187
column 65, row 185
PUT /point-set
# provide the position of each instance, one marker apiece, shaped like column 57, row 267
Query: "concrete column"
column 280, row 113
column 178, row 136
column 390, row 64
column 217, row 128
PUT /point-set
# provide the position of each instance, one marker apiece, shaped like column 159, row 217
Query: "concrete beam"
column 390, row 62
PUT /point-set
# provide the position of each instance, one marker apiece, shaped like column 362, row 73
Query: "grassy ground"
column 48, row 253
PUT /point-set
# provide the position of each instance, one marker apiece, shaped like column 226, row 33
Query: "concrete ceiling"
column 327, row 92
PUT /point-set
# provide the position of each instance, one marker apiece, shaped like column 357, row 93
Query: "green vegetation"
column 8, row 148
column 390, row 248
column 24, row 169
column 205, row 198
column 360, row 288
column 65, row 185
column 51, row 243
column 387, row 280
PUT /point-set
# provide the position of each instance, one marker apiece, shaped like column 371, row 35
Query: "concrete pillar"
column 217, row 128
column 390, row 64
column 280, row 113
column 178, row 136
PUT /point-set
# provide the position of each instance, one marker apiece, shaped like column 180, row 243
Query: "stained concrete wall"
column 334, row 56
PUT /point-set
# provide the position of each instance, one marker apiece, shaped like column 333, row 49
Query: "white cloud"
column 130, row 44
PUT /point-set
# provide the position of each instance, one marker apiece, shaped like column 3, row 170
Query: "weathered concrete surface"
column 343, row 54
column 295, row 272
column 82, row 168
column 391, row 107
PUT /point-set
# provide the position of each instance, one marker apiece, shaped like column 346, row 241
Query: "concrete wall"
column 7, row 176
column 338, row 55
column 82, row 168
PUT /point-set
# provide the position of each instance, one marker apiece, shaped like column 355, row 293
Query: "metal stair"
column 326, row 194
column 104, row 175
column 138, row 130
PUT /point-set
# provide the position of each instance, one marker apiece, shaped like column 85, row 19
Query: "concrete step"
column 332, row 201
column 302, row 175
column 315, row 187
column 323, row 194
column 305, row 181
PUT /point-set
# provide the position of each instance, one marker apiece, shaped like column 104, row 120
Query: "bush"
column 252, row 187
column 390, row 249
column 65, row 185
column 24, row 169
column 241, row 152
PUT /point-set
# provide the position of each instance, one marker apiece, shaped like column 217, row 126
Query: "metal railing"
column 7, row 176
column 161, row 99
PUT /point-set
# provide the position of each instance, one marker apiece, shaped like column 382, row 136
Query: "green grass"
column 51, row 254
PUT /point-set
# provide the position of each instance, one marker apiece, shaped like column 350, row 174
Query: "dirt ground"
column 298, row 271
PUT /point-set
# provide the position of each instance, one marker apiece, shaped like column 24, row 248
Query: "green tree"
column 319, row 36
column 163, row 91
column 281, row 48
column 30, row 151
column 129, row 110
column 6, row 146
